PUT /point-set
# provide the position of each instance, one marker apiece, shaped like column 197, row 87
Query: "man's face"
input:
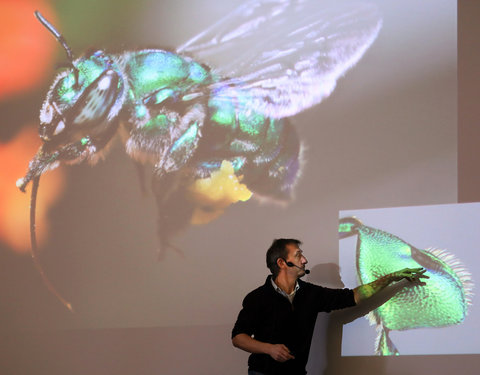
column 295, row 255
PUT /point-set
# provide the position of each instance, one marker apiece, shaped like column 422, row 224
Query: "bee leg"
column 165, row 246
column 348, row 226
column 384, row 345
column 273, row 174
column 170, row 142
column 166, row 138
column 140, row 168
column 174, row 211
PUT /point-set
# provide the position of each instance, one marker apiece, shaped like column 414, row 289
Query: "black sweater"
column 271, row 318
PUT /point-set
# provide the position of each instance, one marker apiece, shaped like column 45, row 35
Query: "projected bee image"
column 440, row 301
column 212, row 135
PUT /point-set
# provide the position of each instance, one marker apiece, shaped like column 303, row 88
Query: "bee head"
column 83, row 100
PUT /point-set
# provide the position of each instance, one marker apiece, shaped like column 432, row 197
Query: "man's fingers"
column 287, row 357
column 281, row 353
column 284, row 357
column 286, row 353
column 415, row 273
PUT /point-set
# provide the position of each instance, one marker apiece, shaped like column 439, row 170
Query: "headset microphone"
column 290, row 264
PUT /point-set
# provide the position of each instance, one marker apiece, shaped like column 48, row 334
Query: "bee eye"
column 46, row 115
column 98, row 100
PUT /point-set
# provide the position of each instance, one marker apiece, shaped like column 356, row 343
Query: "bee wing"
column 287, row 54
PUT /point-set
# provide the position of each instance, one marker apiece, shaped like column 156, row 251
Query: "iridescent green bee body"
column 173, row 113
column 440, row 301
column 187, row 118
column 194, row 123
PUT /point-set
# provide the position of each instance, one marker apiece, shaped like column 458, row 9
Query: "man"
column 277, row 320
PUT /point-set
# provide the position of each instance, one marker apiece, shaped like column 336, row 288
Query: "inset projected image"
column 416, row 318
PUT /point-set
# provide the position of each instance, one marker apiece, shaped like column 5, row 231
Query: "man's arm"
column 278, row 352
column 364, row 292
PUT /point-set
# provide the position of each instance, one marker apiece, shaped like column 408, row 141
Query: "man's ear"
column 281, row 262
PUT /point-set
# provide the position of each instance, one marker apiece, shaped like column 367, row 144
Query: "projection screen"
column 157, row 269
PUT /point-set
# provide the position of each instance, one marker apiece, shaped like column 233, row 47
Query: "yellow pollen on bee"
column 212, row 195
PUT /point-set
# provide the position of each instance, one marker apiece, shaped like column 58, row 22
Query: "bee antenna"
column 56, row 34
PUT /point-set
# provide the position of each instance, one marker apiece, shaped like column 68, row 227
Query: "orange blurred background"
column 28, row 54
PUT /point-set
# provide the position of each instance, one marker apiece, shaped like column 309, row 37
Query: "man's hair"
column 277, row 250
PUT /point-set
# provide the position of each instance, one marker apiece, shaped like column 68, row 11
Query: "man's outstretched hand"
column 411, row 274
